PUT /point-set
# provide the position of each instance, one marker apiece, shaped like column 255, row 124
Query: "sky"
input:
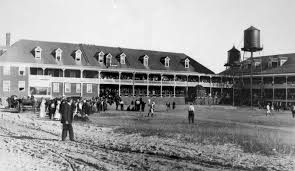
column 203, row 29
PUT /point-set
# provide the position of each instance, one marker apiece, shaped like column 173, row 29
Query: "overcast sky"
column 203, row 29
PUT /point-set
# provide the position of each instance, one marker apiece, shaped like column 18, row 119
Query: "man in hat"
column 66, row 120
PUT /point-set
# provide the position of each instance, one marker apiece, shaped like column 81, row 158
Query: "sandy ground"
column 30, row 143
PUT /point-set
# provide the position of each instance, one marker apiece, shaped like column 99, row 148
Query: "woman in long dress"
column 57, row 115
column 42, row 109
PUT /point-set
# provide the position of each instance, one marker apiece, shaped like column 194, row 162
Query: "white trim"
column 97, row 68
column 6, row 86
column 22, row 84
column 38, row 52
column 78, row 55
column 146, row 60
column 167, row 62
column 21, row 68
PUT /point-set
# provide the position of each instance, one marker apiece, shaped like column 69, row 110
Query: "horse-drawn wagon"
column 16, row 104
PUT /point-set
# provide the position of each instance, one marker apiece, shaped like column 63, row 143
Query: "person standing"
column 57, row 110
column 173, row 105
column 191, row 113
column 66, row 120
column 42, row 108
column 268, row 109
column 51, row 108
column 293, row 110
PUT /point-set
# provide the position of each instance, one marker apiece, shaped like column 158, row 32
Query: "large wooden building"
column 273, row 79
column 53, row 69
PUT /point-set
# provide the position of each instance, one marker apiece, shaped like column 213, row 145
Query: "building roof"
column 23, row 51
column 252, row 28
column 234, row 49
column 287, row 67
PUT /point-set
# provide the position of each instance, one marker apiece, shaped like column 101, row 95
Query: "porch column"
column 161, row 90
column 221, row 85
column 98, row 86
column 81, row 76
column 273, row 88
column 63, row 83
column 210, row 85
column 133, row 86
column 261, row 89
column 43, row 71
column 286, row 105
column 186, row 86
column 147, row 87
column 174, row 86
column 120, row 83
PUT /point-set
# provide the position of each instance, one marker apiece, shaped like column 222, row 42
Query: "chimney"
column 7, row 39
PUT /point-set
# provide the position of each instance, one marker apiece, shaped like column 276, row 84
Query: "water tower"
column 251, row 44
column 233, row 57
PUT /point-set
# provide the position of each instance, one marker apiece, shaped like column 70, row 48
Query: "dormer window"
column 146, row 61
column 108, row 60
column 283, row 60
column 167, row 62
column 122, row 58
column 38, row 52
column 186, row 63
column 58, row 53
column 273, row 62
column 100, row 56
column 78, row 54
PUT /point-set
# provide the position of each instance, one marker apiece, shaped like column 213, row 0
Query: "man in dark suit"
column 66, row 119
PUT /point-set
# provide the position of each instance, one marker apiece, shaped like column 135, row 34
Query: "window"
column 6, row 86
column 58, row 53
column 122, row 58
column 146, row 61
column 78, row 88
column 38, row 52
column 56, row 87
column 282, row 61
column 67, row 87
column 89, row 88
column 167, row 61
column 186, row 63
column 78, row 54
column 100, row 56
column 6, row 70
column 21, row 71
column 257, row 64
column 21, row 86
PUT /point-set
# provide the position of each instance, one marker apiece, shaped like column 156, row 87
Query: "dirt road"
column 30, row 143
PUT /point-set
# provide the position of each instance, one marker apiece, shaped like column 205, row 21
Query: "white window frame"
column 38, row 52
column 186, row 63
column 6, row 85
column 167, row 62
column 283, row 60
column 21, row 68
column 100, row 56
column 78, row 55
column 58, row 55
column 123, row 58
column 6, row 70
column 146, row 60
column 22, row 84
column 67, row 87
column 55, row 88
column 78, row 88
column 89, row 88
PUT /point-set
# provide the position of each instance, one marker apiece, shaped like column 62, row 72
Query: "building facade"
column 273, row 79
column 53, row 69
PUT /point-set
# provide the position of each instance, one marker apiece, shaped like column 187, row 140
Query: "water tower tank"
column 252, row 39
column 234, row 56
